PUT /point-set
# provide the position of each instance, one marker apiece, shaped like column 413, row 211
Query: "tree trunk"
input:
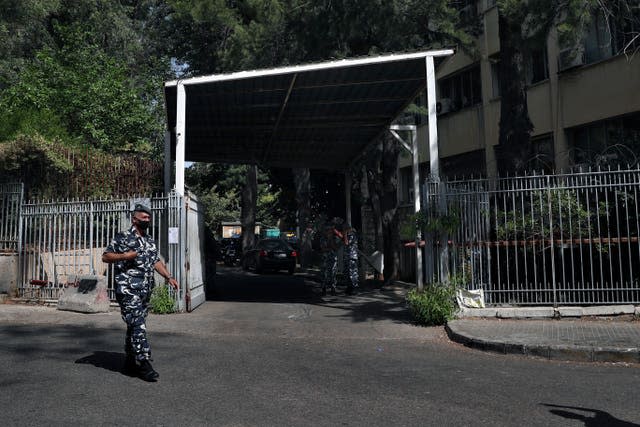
column 389, row 207
column 374, row 181
column 302, row 181
column 248, row 209
column 515, row 125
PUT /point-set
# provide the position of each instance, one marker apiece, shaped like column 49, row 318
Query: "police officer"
column 329, row 247
column 135, row 255
column 350, row 257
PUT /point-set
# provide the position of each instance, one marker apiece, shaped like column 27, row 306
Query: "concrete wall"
column 598, row 91
column 8, row 273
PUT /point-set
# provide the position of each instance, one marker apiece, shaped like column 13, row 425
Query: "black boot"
column 146, row 371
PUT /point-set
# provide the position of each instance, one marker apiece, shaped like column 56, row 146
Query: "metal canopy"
column 319, row 116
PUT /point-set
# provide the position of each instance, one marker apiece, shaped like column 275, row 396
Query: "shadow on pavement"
column 371, row 303
column 108, row 360
column 590, row 417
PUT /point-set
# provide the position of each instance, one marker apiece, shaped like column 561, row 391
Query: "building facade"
column 584, row 106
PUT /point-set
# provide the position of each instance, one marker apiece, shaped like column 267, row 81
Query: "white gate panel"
column 195, row 253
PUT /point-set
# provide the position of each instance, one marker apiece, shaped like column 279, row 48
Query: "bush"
column 434, row 305
column 162, row 301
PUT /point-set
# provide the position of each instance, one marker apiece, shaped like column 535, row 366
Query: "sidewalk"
column 581, row 340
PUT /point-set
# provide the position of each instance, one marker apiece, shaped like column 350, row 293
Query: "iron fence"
column 538, row 240
column 11, row 196
column 63, row 239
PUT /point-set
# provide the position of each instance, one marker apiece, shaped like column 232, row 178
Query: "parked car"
column 270, row 254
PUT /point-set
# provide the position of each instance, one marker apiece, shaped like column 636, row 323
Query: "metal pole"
column 434, row 163
column 413, row 149
column 417, row 205
column 434, row 155
column 180, row 138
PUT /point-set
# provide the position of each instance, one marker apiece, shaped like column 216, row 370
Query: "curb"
column 577, row 353
column 548, row 312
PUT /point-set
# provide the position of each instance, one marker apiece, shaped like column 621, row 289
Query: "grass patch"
column 162, row 301
column 434, row 305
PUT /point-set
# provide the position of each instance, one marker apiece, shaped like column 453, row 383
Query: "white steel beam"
column 434, row 155
column 180, row 138
column 312, row 67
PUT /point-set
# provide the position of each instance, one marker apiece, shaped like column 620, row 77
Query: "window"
column 610, row 142
column 542, row 158
column 463, row 89
column 495, row 79
column 537, row 66
column 465, row 165
column 609, row 35
column 406, row 185
column 597, row 44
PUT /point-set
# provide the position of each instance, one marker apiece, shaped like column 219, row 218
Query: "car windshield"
column 271, row 245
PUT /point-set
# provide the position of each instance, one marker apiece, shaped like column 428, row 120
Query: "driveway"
column 268, row 351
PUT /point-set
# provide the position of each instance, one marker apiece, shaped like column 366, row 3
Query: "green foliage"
column 216, row 35
column 445, row 223
column 556, row 213
column 33, row 160
column 49, row 169
column 219, row 189
column 89, row 92
column 434, row 305
column 162, row 301
column 408, row 227
column 90, row 67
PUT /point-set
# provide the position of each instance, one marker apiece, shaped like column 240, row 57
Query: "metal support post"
column 413, row 149
column 180, row 138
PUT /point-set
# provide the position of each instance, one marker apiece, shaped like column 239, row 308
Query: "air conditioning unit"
column 444, row 106
column 570, row 58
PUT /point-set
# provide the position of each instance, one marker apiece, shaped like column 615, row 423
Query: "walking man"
column 135, row 255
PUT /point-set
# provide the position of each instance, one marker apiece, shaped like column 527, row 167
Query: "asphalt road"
column 268, row 351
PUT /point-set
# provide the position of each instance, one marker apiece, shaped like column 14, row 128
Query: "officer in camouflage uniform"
column 135, row 255
column 350, row 257
column 329, row 248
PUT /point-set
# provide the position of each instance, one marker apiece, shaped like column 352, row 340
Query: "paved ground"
column 270, row 352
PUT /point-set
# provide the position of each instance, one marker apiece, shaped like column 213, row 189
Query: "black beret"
column 141, row 208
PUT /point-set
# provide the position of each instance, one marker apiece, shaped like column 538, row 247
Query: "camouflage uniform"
column 329, row 264
column 350, row 258
column 134, row 283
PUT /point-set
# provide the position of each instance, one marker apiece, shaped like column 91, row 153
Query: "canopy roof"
column 319, row 116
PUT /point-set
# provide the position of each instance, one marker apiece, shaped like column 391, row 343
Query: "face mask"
column 143, row 225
